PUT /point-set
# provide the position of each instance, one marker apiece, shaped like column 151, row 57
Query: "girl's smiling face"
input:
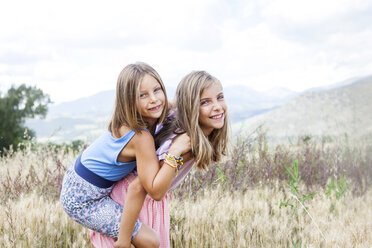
column 212, row 108
column 151, row 100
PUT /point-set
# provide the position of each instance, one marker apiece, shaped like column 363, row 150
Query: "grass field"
column 308, row 194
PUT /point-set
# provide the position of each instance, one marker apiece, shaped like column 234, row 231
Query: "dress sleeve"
column 164, row 147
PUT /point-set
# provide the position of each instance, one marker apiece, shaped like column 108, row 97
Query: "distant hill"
column 244, row 102
column 98, row 104
column 87, row 117
column 83, row 119
column 335, row 110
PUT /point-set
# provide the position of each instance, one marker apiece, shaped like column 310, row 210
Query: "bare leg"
column 146, row 238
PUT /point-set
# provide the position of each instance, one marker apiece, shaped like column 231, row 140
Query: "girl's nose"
column 153, row 97
column 217, row 106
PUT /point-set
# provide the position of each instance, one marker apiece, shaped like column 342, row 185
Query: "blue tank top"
column 101, row 156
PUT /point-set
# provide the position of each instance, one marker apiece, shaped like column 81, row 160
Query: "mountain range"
column 344, row 108
column 87, row 117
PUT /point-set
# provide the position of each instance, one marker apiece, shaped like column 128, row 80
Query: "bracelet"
column 173, row 161
column 171, row 165
column 177, row 159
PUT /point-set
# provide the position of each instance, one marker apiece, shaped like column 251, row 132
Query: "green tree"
column 15, row 106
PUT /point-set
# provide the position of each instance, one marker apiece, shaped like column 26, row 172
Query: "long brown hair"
column 205, row 149
column 127, row 111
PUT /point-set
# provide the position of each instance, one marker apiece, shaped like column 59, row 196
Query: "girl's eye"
column 203, row 102
column 142, row 95
column 157, row 89
column 220, row 97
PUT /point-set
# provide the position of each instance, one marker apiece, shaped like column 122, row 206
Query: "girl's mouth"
column 216, row 117
column 156, row 108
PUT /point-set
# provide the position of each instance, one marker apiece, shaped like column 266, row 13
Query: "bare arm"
column 154, row 179
column 151, row 179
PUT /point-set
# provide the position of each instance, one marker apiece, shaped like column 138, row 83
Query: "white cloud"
column 307, row 12
column 73, row 49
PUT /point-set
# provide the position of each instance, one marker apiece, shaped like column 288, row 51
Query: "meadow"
column 312, row 192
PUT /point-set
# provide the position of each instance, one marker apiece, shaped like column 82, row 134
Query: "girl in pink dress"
column 201, row 112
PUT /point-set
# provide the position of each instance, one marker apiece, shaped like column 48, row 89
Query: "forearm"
column 161, row 182
column 164, row 176
column 132, row 207
column 156, row 179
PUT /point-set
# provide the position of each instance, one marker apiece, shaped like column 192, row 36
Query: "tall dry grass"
column 249, row 200
column 253, row 163
column 254, row 218
column 30, row 185
column 34, row 221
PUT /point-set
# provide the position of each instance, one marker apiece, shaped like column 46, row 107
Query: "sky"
column 74, row 49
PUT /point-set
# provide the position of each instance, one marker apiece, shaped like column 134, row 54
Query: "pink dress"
column 154, row 214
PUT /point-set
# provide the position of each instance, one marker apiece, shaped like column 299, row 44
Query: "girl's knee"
column 147, row 238
column 154, row 242
column 136, row 187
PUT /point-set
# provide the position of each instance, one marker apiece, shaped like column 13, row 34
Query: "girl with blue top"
column 140, row 104
column 201, row 112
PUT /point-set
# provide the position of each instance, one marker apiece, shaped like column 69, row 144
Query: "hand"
column 119, row 244
column 180, row 145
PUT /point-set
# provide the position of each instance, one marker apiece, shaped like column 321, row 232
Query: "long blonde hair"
column 127, row 111
column 204, row 149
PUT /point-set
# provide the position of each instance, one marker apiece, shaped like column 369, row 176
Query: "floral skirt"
column 92, row 206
